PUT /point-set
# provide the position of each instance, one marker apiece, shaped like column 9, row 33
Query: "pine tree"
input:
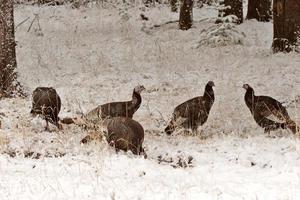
column 232, row 7
column 173, row 4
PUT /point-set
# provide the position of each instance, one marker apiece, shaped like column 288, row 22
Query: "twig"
column 31, row 24
column 162, row 117
column 175, row 21
column 22, row 22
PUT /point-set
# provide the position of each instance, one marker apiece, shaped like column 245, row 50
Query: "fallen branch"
column 168, row 22
column 175, row 21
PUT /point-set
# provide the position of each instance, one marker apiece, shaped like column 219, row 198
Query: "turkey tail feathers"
column 292, row 126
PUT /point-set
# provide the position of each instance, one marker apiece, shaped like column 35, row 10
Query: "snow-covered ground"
column 95, row 55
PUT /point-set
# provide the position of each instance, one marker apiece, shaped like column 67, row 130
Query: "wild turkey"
column 194, row 112
column 268, row 112
column 46, row 102
column 114, row 109
column 126, row 134
column 123, row 133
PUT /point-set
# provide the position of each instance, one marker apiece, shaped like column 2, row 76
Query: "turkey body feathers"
column 125, row 134
column 116, row 109
column 47, row 103
column 268, row 113
column 113, row 109
column 194, row 112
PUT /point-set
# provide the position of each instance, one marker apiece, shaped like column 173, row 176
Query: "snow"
column 223, row 34
column 96, row 55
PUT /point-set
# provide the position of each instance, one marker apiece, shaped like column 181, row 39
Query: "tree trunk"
column 260, row 10
column 173, row 4
column 286, row 25
column 186, row 15
column 234, row 7
column 7, row 48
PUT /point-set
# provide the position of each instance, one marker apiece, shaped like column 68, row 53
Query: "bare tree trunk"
column 260, row 10
column 173, row 4
column 286, row 25
column 186, row 15
column 234, row 7
column 8, row 61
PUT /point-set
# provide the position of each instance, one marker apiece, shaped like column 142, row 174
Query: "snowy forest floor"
column 95, row 55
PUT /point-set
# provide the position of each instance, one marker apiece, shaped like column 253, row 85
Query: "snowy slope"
column 95, row 55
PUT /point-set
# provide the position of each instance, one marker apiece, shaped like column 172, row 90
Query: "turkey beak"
column 245, row 86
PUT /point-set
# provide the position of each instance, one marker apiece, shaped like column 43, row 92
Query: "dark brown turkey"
column 268, row 113
column 126, row 134
column 117, row 109
column 194, row 112
column 46, row 102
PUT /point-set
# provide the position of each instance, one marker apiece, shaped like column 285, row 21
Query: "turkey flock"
column 124, row 133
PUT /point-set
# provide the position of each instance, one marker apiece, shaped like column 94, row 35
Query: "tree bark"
column 8, row 61
column 173, row 4
column 234, row 7
column 286, row 25
column 260, row 10
column 186, row 15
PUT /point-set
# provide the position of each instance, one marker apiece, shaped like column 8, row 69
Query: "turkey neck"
column 136, row 100
column 209, row 93
column 249, row 97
